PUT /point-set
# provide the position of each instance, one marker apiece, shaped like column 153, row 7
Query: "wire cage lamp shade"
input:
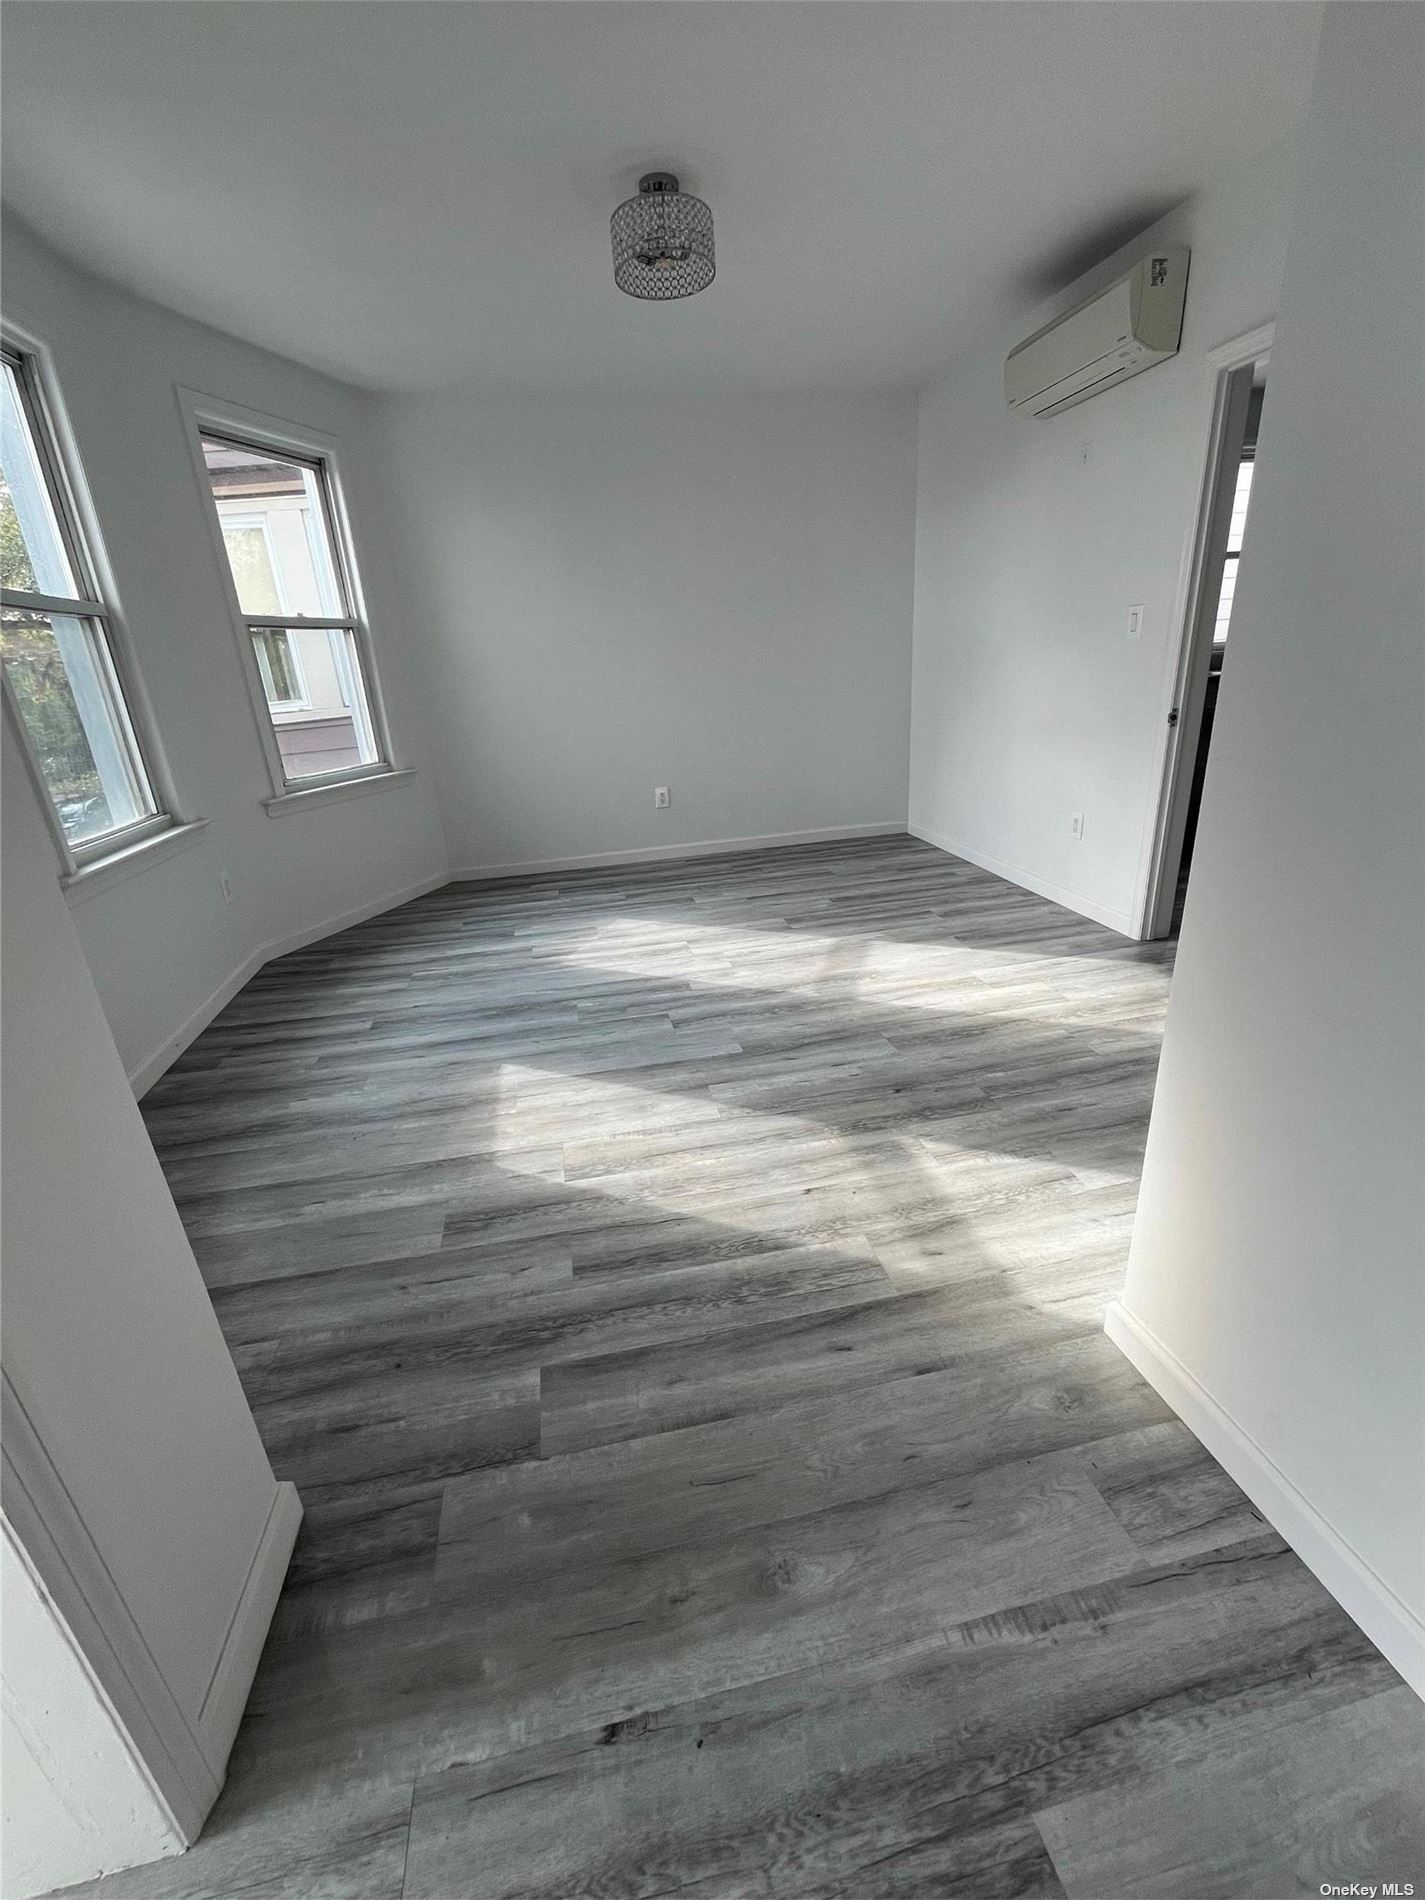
column 663, row 241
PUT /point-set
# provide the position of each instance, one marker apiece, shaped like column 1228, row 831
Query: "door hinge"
column 1173, row 716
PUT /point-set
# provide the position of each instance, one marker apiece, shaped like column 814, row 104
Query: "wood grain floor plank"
column 1285, row 1820
column 911, row 1769
column 677, row 1290
column 676, row 1490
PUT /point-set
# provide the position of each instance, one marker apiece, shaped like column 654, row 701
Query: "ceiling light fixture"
column 663, row 241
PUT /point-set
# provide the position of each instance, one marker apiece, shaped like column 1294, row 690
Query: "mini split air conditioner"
column 1136, row 322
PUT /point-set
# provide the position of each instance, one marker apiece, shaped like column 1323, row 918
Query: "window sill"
column 98, row 875
column 287, row 802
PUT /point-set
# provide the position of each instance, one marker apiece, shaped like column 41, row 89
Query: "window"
column 1236, row 529
column 57, row 643
column 292, row 588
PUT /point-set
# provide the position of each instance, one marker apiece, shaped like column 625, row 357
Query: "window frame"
column 209, row 416
column 97, row 606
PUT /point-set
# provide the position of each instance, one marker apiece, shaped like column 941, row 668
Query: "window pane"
column 59, row 671
column 254, row 571
column 32, row 552
column 275, row 531
column 1224, row 601
column 330, row 730
column 1237, row 527
column 1240, row 499
column 277, row 663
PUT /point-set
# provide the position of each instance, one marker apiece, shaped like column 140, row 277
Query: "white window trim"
column 331, row 791
column 89, row 559
column 135, row 855
column 213, row 415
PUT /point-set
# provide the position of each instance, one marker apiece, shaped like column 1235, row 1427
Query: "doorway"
column 1240, row 397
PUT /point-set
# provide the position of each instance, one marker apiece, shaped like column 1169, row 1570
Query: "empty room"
column 714, row 1047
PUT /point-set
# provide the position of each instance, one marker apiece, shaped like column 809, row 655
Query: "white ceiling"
column 413, row 194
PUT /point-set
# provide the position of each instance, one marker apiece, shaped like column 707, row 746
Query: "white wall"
column 1275, row 1290
column 118, row 360
column 133, row 1469
column 76, row 1804
column 711, row 594
column 1029, row 702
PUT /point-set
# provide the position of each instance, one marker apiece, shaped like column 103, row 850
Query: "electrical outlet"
column 225, row 887
column 1135, row 621
column 661, row 800
column 1076, row 824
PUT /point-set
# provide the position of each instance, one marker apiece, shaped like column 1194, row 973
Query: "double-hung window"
column 295, row 598
column 61, row 667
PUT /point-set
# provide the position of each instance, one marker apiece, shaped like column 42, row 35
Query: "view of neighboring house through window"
column 57, row 643
column 283, row 553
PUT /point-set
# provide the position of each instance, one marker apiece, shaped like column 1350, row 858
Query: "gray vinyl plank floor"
column 677, row 1293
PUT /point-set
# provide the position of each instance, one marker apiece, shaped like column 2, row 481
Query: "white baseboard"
column 358, row 914
column 656, row 854
column 145, row 1073
column 180, row 1752
column 227, row 1692
column 80, row 1800
column 163, row 1741
column 143, row 1077
column 1365, row 1596
column 1089, row 907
